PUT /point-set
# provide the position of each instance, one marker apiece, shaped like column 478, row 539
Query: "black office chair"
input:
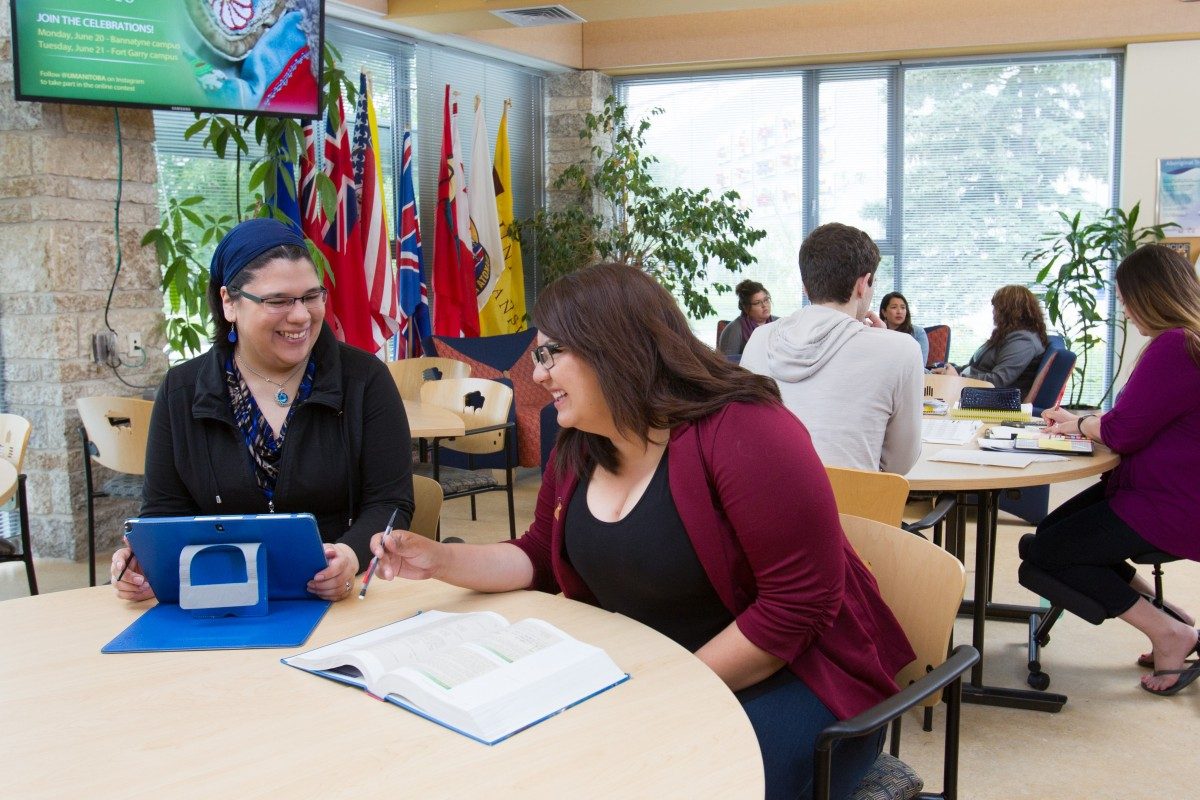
column 1064, row 598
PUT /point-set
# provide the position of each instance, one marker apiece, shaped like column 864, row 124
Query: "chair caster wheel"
column 1035, row 667
column 1039, row 681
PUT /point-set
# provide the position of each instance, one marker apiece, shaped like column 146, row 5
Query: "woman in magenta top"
column 1151, row 501
column 683, row 494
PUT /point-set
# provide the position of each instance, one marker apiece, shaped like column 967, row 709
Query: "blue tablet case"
column 289, row 551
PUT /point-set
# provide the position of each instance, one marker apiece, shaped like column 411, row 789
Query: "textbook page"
column 474, row 673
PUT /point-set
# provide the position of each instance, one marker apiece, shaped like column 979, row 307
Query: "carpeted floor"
column 1111, row 740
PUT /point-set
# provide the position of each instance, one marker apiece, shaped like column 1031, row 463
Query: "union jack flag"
column 414, row 294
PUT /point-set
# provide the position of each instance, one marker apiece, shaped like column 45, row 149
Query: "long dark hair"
column 1160, row 288
column 906, row 326
column 653, row 371
column 1017, row 309
column 222, row 326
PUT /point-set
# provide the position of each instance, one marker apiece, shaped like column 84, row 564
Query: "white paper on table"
column 992, row 459
column 949, row 431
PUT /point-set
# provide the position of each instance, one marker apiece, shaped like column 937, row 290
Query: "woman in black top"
column 278, row 416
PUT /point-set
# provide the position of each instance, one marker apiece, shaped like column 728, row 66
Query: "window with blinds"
column 954, row 168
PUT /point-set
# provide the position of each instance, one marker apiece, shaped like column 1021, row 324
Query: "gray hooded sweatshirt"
column 857, row 389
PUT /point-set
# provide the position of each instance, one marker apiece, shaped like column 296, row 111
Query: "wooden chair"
column 411, row 373
column 484, row 407
column 949, row 387
column 882, row 496
column 113, row 434
column 427, row 498
column 923, row 586
column 14, row 441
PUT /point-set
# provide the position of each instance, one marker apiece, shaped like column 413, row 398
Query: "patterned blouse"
column 263, row 444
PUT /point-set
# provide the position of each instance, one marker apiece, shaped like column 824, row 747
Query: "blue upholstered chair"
column 1032, row 503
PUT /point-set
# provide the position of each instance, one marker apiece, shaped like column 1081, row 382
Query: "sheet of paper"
column 991, row 459
column 949, row 431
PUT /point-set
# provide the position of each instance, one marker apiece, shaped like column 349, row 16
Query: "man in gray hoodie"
column 854, row 384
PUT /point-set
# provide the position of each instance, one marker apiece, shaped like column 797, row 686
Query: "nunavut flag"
column 455, row 309
column 505, row 309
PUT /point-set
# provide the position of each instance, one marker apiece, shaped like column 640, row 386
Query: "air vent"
column 538, row 15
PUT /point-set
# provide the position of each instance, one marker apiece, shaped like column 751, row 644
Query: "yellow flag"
column 505, row 309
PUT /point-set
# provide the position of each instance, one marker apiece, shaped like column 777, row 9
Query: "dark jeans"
column 1084, row 544
column 787, row 717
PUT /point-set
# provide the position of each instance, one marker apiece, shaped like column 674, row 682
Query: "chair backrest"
column 722, row 324
column 873, row 495
column 920, row 582
column 117, row 427
column 427, row 497
column 939, row 344
column 949, row 387
column 14, row 439
column 1052, row 378
column 411, row 373
column 480, row 402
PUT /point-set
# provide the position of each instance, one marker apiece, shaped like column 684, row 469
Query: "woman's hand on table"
column 336, row 581
column 132, row 585
column 946, row 370
column 406, row 554
column 1060, row 421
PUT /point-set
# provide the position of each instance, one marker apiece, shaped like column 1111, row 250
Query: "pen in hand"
column 128, row 561
column 362, row 593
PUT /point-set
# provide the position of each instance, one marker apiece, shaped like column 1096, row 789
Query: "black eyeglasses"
column 543, row 355
column 282, row 305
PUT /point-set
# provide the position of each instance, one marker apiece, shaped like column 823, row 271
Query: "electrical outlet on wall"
column 135, row 343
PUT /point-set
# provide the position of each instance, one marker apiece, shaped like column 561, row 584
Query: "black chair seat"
column 889, row 778
column 458, row 481
column 121, row 485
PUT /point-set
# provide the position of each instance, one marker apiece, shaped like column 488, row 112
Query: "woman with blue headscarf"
column 277, row 416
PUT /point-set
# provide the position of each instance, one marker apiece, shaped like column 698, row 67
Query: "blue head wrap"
column 247, row 241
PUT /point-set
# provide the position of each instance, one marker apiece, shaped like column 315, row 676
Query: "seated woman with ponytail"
column 277, row 416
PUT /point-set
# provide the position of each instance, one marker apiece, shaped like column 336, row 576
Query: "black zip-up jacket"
column 346, row 459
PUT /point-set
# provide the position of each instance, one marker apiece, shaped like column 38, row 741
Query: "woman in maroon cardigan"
column 684, row 495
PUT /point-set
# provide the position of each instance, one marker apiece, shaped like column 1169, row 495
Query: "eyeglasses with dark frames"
column 766, row 301
column 282, row 305
column 543, row 355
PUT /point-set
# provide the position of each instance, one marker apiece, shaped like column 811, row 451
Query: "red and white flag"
column 378, row 272
column 455, row 310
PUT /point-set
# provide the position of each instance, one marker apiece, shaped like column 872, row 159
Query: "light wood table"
column 426, row 421
column 8, row 481
column 237, row 723
column 986, row 482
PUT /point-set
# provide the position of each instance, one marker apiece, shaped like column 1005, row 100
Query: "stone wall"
column 570, row 96
column 58, row 256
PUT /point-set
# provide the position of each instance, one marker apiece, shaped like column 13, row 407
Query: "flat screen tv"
column 235, row 56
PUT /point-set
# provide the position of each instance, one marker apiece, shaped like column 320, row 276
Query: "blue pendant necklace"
column 282, row 398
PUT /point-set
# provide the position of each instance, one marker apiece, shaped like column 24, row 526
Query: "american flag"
column 414, row 294
column 368, row 183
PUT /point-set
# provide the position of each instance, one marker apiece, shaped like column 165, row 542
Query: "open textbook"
column 473, row 673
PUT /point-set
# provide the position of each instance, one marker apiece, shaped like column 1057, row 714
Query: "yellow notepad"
column 993, row 415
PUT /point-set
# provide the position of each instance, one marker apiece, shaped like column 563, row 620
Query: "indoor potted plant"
column 1075, row 268
column 619, row 213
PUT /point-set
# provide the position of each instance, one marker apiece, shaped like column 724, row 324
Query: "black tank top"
column 644, row 565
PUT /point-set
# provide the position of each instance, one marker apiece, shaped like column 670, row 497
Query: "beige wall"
column 1162, row 117
column 849, row 30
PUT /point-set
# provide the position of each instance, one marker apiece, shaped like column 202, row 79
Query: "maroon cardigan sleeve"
column 537, row 542
column 776, row 496
column 1161, row 389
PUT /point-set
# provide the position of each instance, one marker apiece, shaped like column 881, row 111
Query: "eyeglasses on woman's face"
column 766, row 301
column 543, row 355
column 283, row 304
